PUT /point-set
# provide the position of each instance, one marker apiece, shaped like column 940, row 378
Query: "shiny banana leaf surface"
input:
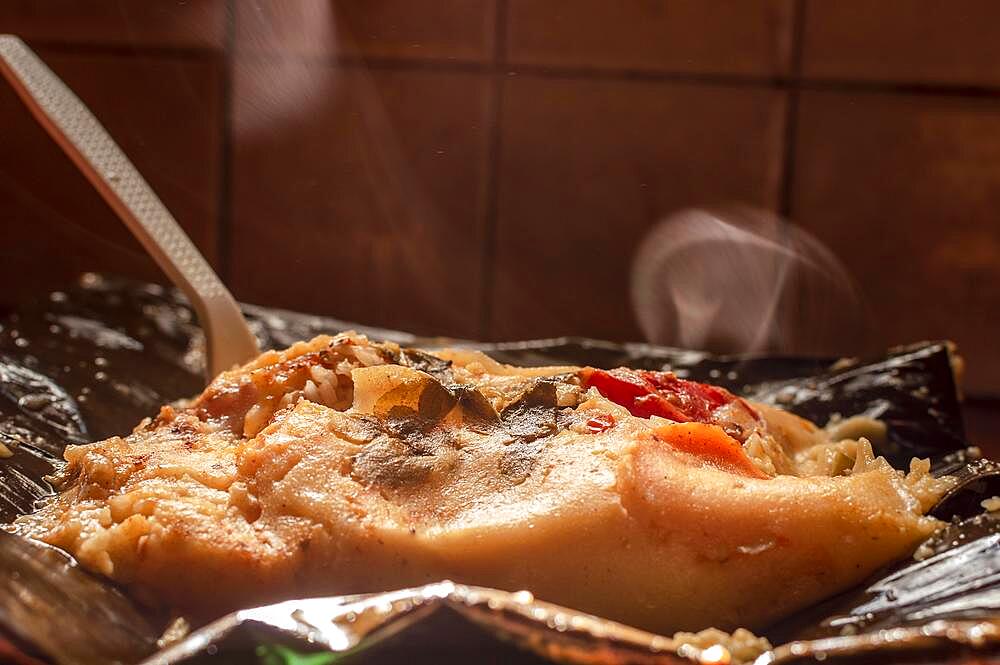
column 93, row 360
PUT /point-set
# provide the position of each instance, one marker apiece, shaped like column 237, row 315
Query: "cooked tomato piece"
column 645, row 393
column 601, row 422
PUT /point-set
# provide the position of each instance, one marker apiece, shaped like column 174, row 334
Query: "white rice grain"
column 312, row 392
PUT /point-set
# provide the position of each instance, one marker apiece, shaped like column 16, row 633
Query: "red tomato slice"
column 645, row 393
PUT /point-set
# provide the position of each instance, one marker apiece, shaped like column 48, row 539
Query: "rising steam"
column 744, row 280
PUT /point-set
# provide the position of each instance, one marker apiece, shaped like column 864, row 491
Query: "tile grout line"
column 224, row 219
column 983, row 399
column 491, row 196
column 901, row 86
column 178, row 52
column 790, row 138
column 792, row 111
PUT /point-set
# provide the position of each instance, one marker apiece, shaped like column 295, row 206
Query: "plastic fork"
column 228, row 339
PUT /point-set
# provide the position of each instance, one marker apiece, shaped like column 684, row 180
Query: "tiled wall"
column 486, row 168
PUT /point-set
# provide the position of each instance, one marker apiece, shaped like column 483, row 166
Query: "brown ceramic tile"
column 146, row 23
column 166, row 116
column 982, row 426
column 691, row 36
column 448, row 29
column 589, row 166
column 924, row 41
column 361, row 196
column 905, row 190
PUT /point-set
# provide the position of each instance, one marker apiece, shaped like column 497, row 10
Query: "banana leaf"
column 91, row 362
